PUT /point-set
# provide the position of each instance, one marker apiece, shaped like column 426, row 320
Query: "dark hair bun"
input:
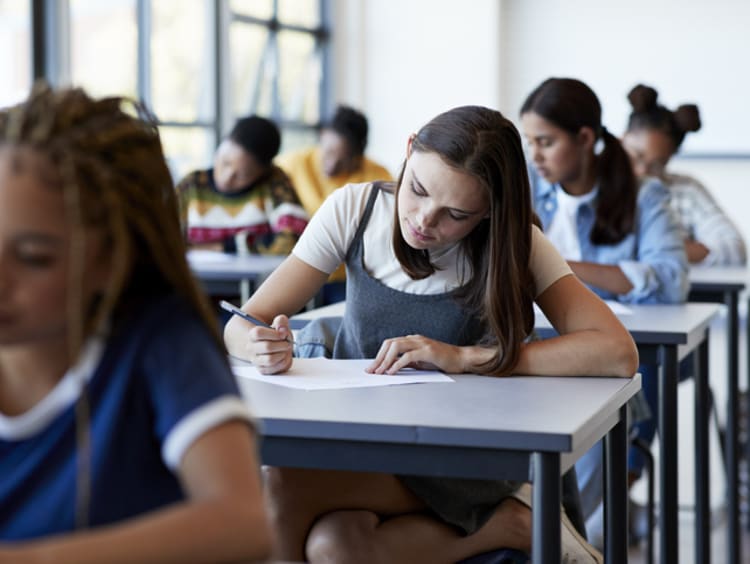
column 688, row 117
column 642, row 98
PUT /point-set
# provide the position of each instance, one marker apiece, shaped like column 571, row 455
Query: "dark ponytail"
column 616, row 203
column 571, row 105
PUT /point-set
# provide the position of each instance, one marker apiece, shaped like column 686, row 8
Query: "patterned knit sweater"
column 266, row 217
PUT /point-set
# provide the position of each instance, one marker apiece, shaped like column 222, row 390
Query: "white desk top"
column 521, row 413
column 210, row 265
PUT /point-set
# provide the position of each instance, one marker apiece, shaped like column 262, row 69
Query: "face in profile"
column 557, row 155
column 649, row 151
column 336, row 154
column 438, row 205
column 35, row 253
column 235, row 168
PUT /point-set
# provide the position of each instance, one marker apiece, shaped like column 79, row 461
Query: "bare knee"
column 343, row 537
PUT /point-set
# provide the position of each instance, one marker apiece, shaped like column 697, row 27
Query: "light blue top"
column 652, row 257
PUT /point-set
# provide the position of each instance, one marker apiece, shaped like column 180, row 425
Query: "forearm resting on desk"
column 606, row 277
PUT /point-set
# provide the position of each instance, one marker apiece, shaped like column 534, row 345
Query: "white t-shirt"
column 331, row 230
column 563, row 229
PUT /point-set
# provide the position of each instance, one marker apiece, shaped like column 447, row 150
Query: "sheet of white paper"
column 326, row 374
column 616, row 307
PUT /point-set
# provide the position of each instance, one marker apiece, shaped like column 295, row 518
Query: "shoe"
column 574, row 548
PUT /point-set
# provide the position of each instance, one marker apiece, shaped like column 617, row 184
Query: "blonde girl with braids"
column 122, row 434
column 443, row 268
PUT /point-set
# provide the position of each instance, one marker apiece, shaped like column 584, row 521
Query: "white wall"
column 404, row 61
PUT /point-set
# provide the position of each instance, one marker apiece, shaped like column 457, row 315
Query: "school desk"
column 724, row 285
column 214, row 268
column 665, row 334
column 519, row 428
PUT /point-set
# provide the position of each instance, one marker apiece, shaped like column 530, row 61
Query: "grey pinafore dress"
column 375, row 312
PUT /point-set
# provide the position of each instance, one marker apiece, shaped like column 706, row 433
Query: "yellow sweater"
column 313, row 186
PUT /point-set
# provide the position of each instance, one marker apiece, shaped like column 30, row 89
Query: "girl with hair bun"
column 654, row 135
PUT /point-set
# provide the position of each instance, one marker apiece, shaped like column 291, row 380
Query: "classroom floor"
column 637, row 554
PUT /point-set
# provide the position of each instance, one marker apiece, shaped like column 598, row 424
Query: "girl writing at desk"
column 122, row 434
column 617, row 234
column 443, row 268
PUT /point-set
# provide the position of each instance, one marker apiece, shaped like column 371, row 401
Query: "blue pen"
column 231, row 308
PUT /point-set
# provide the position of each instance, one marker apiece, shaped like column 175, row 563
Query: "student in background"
column 338, row 159
column 654, row 135
column 618, row 235
column 443, row 268
column 244, row 203
column 123, row 437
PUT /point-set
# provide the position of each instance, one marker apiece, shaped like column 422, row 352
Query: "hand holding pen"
column 270, row 352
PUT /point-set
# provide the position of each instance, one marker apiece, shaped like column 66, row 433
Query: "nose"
column 426, row 218
column 536, row 154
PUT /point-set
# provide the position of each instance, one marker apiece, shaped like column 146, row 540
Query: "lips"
column 416, row 234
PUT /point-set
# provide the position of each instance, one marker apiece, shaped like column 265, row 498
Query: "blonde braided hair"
column 114, row 177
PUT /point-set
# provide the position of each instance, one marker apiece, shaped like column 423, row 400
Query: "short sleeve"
column 547, row 265
column 190, row 384
column 325, row 241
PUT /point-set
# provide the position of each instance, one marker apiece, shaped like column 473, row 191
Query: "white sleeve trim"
column 187, row 430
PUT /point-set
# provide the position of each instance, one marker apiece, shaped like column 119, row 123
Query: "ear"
column 412, row 137
column 586, row 138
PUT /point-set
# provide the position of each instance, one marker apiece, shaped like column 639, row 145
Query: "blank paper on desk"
column 327, row 374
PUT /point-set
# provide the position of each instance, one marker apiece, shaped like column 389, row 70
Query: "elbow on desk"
column 624, row 358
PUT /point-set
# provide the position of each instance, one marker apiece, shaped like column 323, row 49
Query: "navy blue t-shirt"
column 154, row 386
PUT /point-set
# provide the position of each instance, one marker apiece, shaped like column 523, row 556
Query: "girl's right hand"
column 270, row 350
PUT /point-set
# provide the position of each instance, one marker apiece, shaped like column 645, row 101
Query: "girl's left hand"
column 416, row 351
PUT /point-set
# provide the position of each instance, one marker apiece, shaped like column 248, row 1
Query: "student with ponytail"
column 654, row 135
column 618, row 235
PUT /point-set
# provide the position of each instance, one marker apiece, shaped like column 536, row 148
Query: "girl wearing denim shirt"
column 619, row 237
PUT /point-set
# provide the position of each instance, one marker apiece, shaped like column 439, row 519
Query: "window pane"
column 103, row 51
column 251, row 73
column 299, row 81
column 297, row 12
column 187, row 149
column 256, row 8
column 15, row 51
column 293, row 138
column 182, row 70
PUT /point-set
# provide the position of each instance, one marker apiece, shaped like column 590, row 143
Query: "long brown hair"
column 108, row 156
column 482, row 143
column 570, row 105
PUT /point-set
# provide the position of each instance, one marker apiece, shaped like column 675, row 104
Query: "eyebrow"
column 457, row 210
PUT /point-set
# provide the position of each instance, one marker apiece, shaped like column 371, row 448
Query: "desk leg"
column 668, row 453
column 702, row 468
column 546, row 499
column 616, row 492
column 731, row 441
